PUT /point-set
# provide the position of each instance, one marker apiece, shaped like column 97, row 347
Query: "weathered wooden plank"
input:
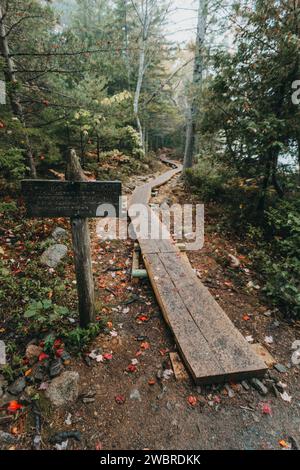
column 196, row 353
column 47, row 198
column 233, row 351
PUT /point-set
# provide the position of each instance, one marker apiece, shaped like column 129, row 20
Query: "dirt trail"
column 141, row 409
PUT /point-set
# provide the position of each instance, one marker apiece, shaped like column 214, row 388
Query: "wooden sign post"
column 79, row 199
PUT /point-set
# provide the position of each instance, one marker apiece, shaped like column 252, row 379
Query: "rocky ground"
column 122, row 393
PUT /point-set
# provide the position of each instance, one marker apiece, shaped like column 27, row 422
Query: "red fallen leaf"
column 57, row 343
column 145, row 345
column 120, row 399
column 246, row 318
column 14, row 406
column 98, row 446
column 152, row 382
column 107, row 357
column 131, row 368
column 138, row 353
column 192, row 401
column 217, row 400
column 2, row 125
column 143, row 318
column 59, row 352
column 43, row 356
column 266, row 409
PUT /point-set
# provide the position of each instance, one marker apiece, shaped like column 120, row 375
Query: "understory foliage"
column 249, row 140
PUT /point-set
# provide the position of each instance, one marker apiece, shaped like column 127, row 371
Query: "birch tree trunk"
column 138, row 91
column 197, row 81
column 13, row 96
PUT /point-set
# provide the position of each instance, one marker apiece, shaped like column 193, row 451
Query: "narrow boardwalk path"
column 210, row 345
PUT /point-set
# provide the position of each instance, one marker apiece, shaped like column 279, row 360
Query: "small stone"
column 18, row 386
column 53, row 255
column 3, row 385
column 135, row 395
column 6, row 438
column 33, row 352
column 280, row 368
column 63, row 389
column 259, row 386
column 245, row 385
column 87, row 401
column 38, row 372
column 56, row 367
column 59, row 234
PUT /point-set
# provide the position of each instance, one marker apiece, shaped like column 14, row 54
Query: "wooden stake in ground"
column 82, row 250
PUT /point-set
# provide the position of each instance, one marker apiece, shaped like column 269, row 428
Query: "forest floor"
column 145, row 407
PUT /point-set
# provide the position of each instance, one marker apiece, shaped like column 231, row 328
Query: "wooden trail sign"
column 46, row 198
column 79, row 199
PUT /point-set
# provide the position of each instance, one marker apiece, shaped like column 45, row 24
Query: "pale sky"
column 183, row 23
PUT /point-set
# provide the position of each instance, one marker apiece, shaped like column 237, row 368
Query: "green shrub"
column 210, row 180
column 12, row 165
column 278, row 257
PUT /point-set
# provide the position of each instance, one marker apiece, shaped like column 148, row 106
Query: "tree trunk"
column 197, row 81
column 138, row 91
column 13, row 96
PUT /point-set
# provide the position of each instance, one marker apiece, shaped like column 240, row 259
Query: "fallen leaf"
column 266, row 409
column 284, row 444
column 131, row 368
column 143, row 318
column 107, row 357
column 152, row 382
column 286, row 397
column 145, row 345
column 43, row 356
column 246, row 318
column 192, row 401
column 14, row 406
column 120, row 399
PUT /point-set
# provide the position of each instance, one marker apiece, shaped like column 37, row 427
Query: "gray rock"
column 53, row 255
column 280, row 368
column 6, row 438
column 59, row 234
column 63, row 389
column 135, row 395
column 3, row 385
column 18, row 386
column 56, row 368
column 259, row 386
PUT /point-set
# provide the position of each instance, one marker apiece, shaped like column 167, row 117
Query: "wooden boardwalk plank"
column 210, row 345
column 233, row 352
